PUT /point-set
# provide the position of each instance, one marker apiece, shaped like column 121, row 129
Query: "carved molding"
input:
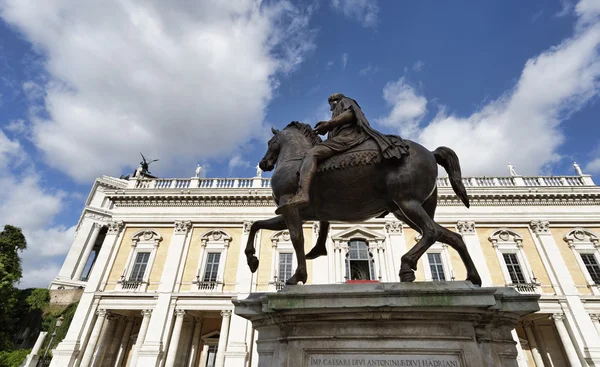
column 580, row 236
column 505, row 235
column 146, row 235
column 540, row 226
column 557, row 317
column 182, row 226
column 216, row 235
column 179, row 313
column 146, row 313
column 595, row 317
column 393, row 227
column 465, row 226
column 101, row 312
column 280, row 236
column 115, row 227
column 247, row 225
column 226, row 313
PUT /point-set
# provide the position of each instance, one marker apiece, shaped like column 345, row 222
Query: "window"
column 139, row 267
column 514, row 269
column 436, row 266
column 285, row 266
column 360, row 263
column 585, row 246
column 212, row 267
column 591, row 264
column 212, row 354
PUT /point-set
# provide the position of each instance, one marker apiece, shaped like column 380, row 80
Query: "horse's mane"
column 307, row 130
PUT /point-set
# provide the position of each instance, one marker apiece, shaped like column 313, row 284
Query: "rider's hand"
column 322, row 127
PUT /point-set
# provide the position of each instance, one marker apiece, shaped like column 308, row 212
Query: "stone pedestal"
column 429, row 324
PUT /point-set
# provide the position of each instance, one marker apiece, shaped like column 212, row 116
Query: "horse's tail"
column 446, row 158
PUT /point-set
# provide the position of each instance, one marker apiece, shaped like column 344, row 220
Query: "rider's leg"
column 308, row 169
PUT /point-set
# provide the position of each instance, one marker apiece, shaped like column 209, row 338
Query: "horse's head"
column 273, row 147
column 296, row 136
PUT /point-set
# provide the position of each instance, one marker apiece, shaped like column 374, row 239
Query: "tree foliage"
column 12, row 242
column 38, row 299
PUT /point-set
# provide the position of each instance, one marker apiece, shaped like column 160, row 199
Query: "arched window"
column 360, row 264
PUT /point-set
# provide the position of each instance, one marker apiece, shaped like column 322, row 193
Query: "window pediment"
column 580, row 236
column 358, row 232
column 146, row 236
column 505, row 236
column 216, row 236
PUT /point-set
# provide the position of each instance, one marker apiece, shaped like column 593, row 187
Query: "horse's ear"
column 274, row 131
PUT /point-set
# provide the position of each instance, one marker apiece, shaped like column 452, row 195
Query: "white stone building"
column 161, row 259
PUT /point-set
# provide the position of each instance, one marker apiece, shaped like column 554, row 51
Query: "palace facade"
column 160, row 260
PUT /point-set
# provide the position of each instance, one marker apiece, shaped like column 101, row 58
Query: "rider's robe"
column 352, row 134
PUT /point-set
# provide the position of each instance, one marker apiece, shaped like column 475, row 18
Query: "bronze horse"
column 406, row 188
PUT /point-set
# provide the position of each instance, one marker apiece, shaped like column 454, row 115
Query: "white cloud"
column 522, row 126
column 418, row 66
column 593, row 167
column 363, row 11
column 17, row 126
column 368, row 70
column 408, row 107
column 329, row 64
column 238, row 162
column 46, row 243
column 160, row 77
column 11, row 152
column 344, row 60
column 566, row 7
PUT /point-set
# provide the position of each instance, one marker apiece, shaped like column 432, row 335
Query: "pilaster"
column 467, row 230
column 395, row 243
column 586, row 338
column 67, row 271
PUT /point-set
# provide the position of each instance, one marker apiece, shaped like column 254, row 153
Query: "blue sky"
column 85, row 87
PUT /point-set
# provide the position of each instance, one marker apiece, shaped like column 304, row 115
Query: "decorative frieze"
column 540, row 226
column 182, row 226
column 393, row 227
column 115, row 227
column 465, row 226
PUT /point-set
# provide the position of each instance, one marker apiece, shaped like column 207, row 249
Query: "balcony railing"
column 526, row 288
column 208, row 285
column 130, row 285
column 260, row 183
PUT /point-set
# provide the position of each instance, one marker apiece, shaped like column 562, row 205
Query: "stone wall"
column 65, row 296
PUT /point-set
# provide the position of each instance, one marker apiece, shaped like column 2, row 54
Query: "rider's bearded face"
column 333, row 107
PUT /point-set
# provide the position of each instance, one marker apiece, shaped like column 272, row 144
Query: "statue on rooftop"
column 511, row 169
column 144, row 164
column 258, row 171
column 355, row 175
column 198, row 170
column 577, row 169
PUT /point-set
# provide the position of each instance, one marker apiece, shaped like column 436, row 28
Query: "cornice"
column 264, row 199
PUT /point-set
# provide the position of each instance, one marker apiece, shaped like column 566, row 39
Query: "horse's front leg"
column 294, row 225
column 275, row 224
column 320, row 248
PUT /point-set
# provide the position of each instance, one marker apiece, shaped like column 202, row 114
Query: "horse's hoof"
column 253, row 263
column 315, row 252
column 407, row 276
column 475, row 279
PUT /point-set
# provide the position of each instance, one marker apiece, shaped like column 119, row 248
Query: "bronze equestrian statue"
column 356, row 174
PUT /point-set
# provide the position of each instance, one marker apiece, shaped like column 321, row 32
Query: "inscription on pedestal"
column 387, row 360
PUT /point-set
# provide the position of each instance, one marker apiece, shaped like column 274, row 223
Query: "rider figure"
column 347, row 128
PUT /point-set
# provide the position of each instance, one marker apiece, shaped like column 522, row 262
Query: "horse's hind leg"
column 456, row 242
column 275, row 224
column 418, row 219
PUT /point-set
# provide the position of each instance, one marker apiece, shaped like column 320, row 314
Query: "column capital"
column 179, row 313
column 557, row 317
column 528, row 324
column 393, row 227
column 226, row 313
column 316, row 227
column 102, row 312
column 595, row 317
column 182, row 226
column 113, row 316
column 146, row 313
column 540, row 226
column 465, row 226
column 115, row 227
column 198, row 319
column 246, row 226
